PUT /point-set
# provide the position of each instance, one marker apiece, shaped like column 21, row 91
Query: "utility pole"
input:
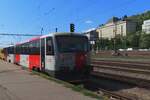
column 122, row 40
column 101, row 41
column 56, row 29
column 125, row 46
column 42, row 31
column 114, row 32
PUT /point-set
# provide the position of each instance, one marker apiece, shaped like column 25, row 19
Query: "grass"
column 78, row 88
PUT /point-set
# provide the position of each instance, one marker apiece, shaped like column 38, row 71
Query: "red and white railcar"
column 55, row 54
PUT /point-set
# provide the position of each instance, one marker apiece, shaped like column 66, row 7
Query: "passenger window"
column 49, row 46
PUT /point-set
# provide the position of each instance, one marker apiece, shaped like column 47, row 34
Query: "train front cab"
column 72, row 57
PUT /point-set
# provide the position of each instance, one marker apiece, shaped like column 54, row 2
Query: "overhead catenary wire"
column 104, row 12
column 9, row 34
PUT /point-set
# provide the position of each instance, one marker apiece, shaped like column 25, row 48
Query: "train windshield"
column 72, row 44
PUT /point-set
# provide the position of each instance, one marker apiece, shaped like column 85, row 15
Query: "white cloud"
column 88, row 22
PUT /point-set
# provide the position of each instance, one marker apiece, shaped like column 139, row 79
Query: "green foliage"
column 102, row 44
column 145, row 41
column 139, row 18
column 119, row 41
column 106, row 44
column 124, row 17
column 133, row 39
column 138, row 39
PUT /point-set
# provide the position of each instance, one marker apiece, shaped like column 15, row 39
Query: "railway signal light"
column 72, row 27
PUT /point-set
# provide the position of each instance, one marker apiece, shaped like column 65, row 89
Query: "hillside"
column 139, row 18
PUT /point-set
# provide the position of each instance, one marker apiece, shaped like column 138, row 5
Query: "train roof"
column 8, row 46
column 29, row 40
column 47, row 35
column 50, row 35
column 62, row 33
column 66, row 33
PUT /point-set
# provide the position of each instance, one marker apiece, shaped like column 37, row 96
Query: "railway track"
column 93, row 85
column 143, row 83
column 119, row 69
column 132, row 72
column 123, row 69
column 127, row 64
column 104, row 92
column 115, row 61
column 112, row 95
column 124, row 92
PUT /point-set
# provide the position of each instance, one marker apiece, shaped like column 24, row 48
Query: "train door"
column 49, row 57
column 42, row 51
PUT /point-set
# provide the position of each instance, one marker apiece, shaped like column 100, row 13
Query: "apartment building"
column 146, row 26
column 116, row 26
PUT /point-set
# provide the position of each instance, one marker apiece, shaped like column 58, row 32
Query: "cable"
column 19, row 34
column 111, row 9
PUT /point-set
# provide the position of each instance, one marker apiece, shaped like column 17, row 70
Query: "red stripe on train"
column 80, row 60
column 17, row 58
column 34, row 61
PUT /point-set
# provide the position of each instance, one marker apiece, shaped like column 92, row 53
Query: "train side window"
column 34, row 47
column 30, row 48
column 49, row 46
column 38, row 46
column 16, row 49
column 26, row 48
column 11, row 50
column 22, row 49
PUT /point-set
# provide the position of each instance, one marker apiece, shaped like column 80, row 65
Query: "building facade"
column 92, row 35
column 114, row 27
column 146, row 26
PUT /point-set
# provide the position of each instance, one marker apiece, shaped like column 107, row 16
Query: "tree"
column 102, row 44
column 145, row 41
column 124, row 17
column 133, row 39
column 139, row 18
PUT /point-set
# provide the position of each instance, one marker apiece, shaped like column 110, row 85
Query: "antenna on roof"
column 56, row 29
column 42, row 30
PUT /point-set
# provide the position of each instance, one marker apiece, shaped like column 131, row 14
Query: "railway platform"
column 18, row 84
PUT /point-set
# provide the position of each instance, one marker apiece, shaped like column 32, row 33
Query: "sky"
column 29, row 16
